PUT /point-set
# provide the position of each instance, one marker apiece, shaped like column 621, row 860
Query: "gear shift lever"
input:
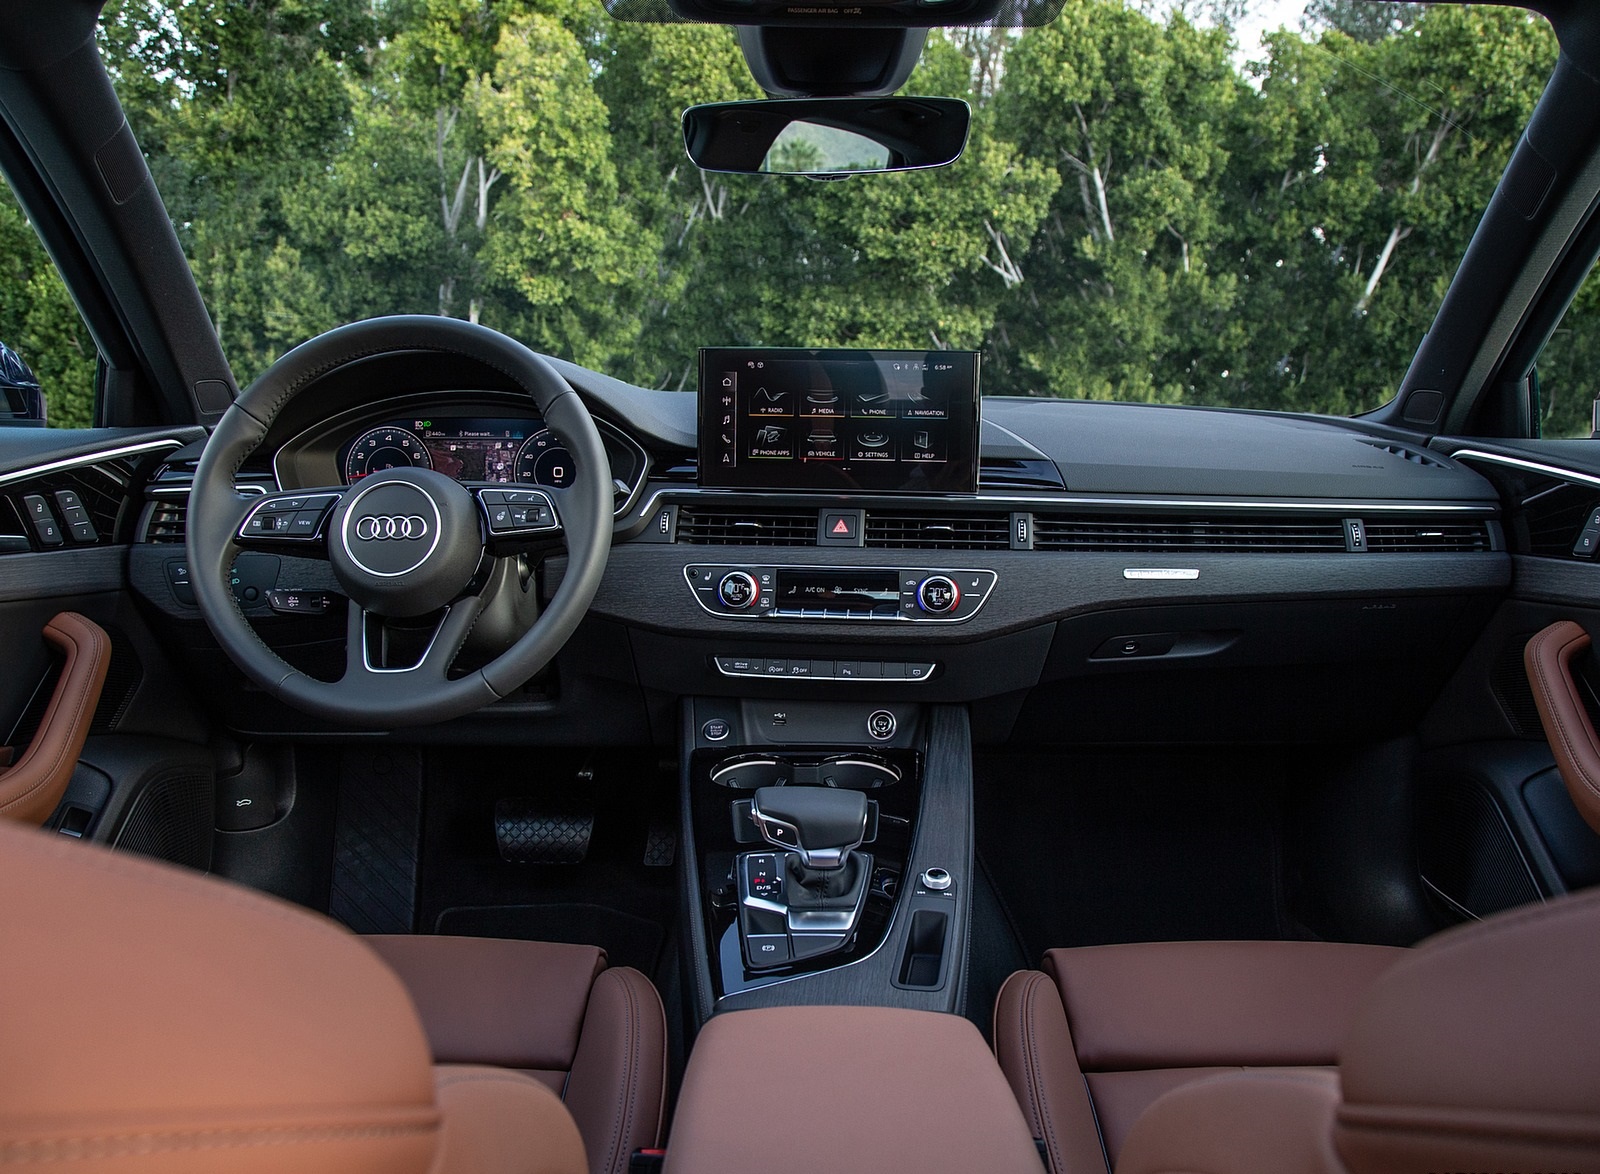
column 821, row 824
column 804, row 901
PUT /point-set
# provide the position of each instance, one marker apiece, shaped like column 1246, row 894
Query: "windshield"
column 1148, row 209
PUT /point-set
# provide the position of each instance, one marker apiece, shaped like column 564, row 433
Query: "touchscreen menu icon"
column 768, row 401
column 874, row 404
column 927, row 443
column 772, row 442
column 722, row 419
column 873, row 442
column 823, row 402
column 823, row 444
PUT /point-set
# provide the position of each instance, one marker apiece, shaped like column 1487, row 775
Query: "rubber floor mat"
column 377, row 839
column 1088, row 848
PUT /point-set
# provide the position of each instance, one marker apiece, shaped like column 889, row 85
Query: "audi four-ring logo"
column 383, row 527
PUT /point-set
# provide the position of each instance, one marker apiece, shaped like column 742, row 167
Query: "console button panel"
column 796, row 668
column 938, row 595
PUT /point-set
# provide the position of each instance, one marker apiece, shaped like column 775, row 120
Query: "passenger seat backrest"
column 1479, row 1051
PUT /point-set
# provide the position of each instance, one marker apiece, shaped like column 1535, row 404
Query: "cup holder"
column 846, row 772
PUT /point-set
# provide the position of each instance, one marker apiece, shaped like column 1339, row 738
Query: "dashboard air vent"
column 701, row 526
column 947, row 531
column 1406, row 453
column 1427, row 537
column 166, row 521
column 1091, row 532
column 1015, row 473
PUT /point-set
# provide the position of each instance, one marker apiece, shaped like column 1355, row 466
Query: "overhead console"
column 839, row 421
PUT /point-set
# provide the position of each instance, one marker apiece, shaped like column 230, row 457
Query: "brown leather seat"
column 595, row 1036
column 1478, row 1051
column 159, row 1021
column 1092, row 1039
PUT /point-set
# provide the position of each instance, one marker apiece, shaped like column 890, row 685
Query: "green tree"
column 1123, row 297
column 39, row 321
column 1362, row 20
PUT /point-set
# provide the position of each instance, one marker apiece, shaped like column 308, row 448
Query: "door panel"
column 69, row 503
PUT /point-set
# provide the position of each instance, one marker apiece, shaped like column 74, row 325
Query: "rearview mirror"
column 826, row 137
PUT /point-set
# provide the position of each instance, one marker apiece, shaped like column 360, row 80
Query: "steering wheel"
column 406, row 544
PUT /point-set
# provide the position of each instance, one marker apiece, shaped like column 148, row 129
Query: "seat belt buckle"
column 647, row 1161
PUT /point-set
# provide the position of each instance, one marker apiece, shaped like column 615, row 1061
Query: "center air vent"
column 741, row 527
column 1218, row 536
column 1427, row 537
column 944, row 531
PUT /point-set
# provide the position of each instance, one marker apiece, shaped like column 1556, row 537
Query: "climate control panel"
column 922, row 594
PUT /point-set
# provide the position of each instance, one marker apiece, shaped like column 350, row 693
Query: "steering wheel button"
column 304, row 524
column 282, row 504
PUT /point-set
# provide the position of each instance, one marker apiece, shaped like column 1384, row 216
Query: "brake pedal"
column 527, row 833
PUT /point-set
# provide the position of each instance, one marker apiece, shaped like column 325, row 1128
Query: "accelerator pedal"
column 530, row 832
column 661, row 843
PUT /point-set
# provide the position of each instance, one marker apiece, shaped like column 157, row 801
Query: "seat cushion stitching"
column 1036, row 1092
column 88, row 1145
column 620, row 1115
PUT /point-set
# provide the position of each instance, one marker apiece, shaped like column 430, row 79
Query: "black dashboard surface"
column 1237, row 540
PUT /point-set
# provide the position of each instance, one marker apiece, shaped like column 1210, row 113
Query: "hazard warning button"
column 840, row 528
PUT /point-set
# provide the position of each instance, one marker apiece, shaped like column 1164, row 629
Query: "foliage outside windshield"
column 1144, row 212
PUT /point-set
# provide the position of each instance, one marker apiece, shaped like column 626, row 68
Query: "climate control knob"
column 739, row 589
column 938, row 595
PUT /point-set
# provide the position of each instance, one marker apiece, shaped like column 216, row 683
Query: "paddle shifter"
column 804, row 901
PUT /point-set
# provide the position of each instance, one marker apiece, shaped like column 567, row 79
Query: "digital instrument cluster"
column 466, row 448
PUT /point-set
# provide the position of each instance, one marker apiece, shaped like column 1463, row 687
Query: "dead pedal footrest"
column 527, row 832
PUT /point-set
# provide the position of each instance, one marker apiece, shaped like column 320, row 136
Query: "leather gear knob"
column 821, row 824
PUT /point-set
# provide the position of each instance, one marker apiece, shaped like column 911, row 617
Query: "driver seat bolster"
column 594, row 1035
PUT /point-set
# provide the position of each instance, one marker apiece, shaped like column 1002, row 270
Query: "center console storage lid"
column 803, row 1089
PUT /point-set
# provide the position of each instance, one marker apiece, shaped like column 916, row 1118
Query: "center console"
column 854, row 1088
column 829, row 853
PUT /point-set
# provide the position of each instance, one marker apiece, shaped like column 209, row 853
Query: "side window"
column 1569, row 366
column 47, row 357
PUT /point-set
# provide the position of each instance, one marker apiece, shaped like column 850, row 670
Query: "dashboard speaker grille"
column 1427, row 537
column 753, row 527
column 1219, row 536
column 953, row 531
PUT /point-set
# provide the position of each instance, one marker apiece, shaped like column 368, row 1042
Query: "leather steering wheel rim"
column 394, row 698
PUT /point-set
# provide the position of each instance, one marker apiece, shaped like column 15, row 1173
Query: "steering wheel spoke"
column 380, row 650
column 296, row 519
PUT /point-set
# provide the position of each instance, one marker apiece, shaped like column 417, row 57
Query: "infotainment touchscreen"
column 839, row 420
